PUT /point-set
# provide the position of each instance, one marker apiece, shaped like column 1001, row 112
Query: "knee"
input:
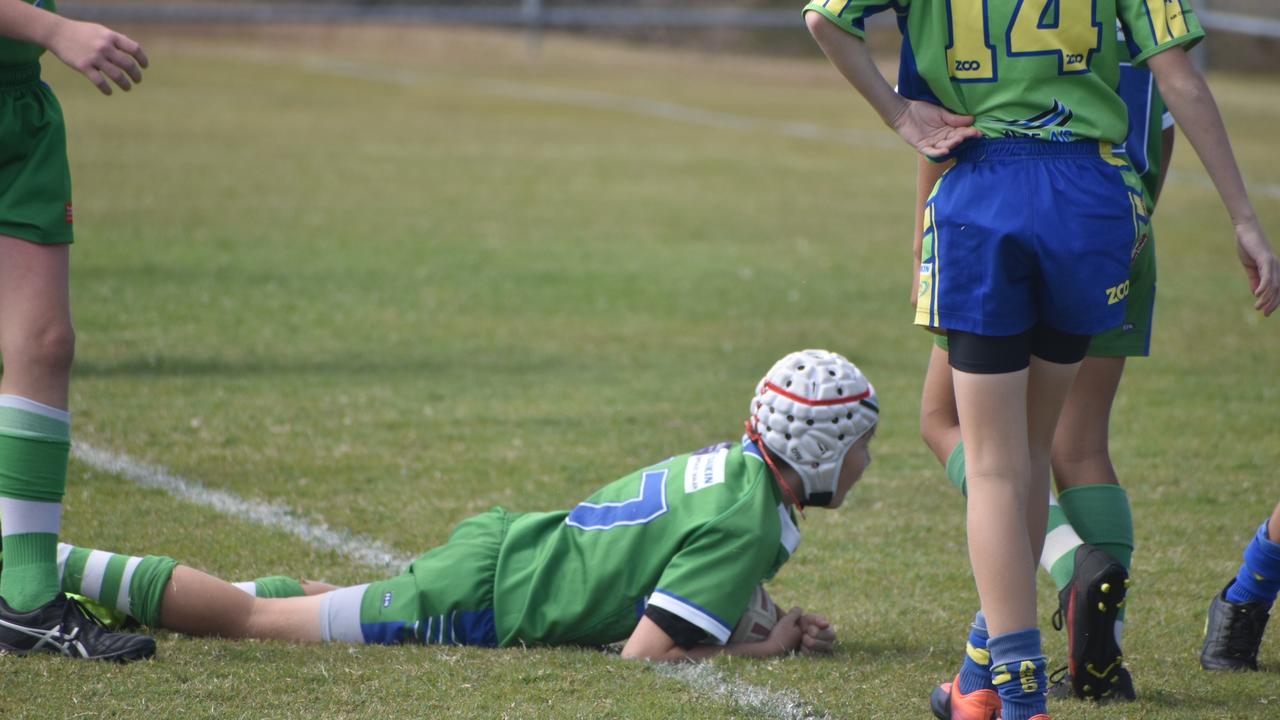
column 50, row 348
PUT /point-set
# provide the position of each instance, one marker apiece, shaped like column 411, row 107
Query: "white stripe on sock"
column 94, row 568
column 31, row 406
column 19, row 517
column 122, row 595
column 64, row 552
column 340, row 615
column 1060, row 541
column 249, row 586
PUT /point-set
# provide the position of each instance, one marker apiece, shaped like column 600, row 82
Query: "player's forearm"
column 28, row 23
column 851, row 57
column 1191, row 102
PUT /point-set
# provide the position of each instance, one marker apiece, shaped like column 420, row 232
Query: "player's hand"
column 99, row 53
column 817, row 635
column 933, row 130
column 787, row 634
column 1260, row 265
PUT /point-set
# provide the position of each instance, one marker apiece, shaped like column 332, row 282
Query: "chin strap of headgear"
column 777, row 475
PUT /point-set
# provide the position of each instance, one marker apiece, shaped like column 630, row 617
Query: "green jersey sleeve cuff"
column 1187, row 41
column 843, row 20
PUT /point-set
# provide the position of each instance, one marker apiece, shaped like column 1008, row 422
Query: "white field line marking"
column 616, row 103
column 677, row 113
column 274, row 516
column 785, row 705
column 374, row 554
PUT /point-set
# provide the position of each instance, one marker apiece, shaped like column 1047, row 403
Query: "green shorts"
column 35, row 180
column 445, row 597
column 1133, row 337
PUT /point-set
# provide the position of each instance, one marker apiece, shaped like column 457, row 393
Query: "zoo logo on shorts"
column 69, row 213
column 386, row 600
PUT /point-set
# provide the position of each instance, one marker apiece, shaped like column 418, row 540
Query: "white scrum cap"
column 808, row 410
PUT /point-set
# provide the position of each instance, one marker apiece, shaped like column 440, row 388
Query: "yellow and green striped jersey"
column 1045, row 69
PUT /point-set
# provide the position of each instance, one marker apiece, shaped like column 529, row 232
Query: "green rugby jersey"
column 1148, row 118
column 1046, row 69
column 13, row 52
column 693, row 535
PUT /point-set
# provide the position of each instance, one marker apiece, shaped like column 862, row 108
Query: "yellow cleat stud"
column 1106, row 587
column 1102, row 607
column 1127, row 582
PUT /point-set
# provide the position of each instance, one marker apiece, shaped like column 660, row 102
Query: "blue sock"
column 1018, row 672
column 1259, row 577
column 975, row 673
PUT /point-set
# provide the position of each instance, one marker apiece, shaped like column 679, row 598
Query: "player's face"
column 856, row 461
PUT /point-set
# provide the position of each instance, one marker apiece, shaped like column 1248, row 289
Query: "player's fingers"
column 97, row 79
column 116, row 74
column 128, row 45
column 125, row 62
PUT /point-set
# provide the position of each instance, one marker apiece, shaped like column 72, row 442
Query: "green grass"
column 393, row 303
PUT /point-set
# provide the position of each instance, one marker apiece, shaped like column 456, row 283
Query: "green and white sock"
column 273, row 586
column 1060, row 542
column 35, row 440
column 131, row 585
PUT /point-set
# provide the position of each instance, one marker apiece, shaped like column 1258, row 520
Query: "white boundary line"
column 364, row 550
column 376, row 555
column 642, row 107
column 677, row 113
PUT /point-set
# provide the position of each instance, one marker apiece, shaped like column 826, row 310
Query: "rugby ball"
column 758, row 619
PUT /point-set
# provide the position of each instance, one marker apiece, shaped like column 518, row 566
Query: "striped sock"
column 1060, row 543
column 1018, row 672
column 975, row 673
column 131, row 585
column 1259, row 577
column 35, row 440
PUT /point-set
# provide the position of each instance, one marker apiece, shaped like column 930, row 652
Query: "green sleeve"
column 851, row 15
column 1157, row 25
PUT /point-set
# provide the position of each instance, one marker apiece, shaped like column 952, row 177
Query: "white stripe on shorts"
column 340, row 615
column 250, row 587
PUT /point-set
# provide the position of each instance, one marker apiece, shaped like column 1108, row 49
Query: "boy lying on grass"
column 665, row 558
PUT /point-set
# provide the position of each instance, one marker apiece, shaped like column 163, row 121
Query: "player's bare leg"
column 939, row 420
column 37, row 344
column 1093, row 533
column 196, row 603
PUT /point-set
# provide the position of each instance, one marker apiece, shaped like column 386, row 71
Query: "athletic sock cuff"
column 1014, row 647
column 1101, row 516
column 146, row 589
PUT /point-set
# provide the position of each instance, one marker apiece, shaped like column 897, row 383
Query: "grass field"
column 390, row 278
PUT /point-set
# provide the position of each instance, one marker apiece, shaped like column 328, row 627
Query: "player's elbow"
column 819, row 26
